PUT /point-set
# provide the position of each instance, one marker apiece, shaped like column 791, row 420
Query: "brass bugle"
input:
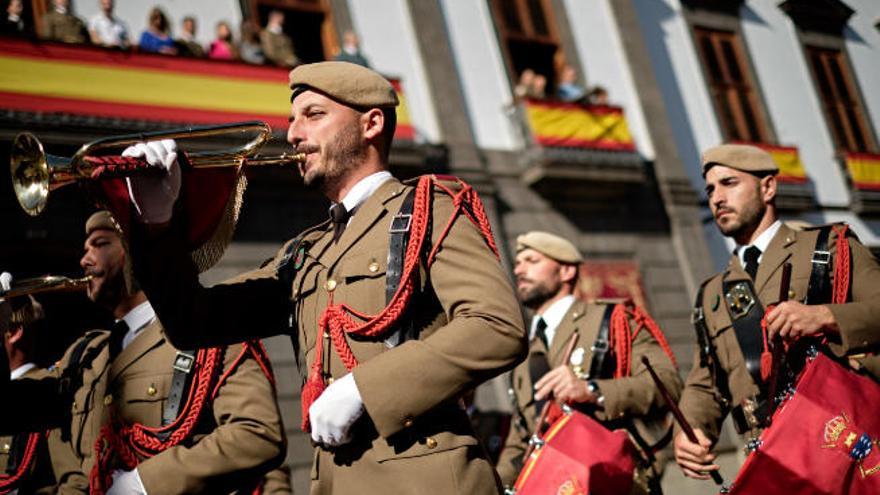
column 36, row 173
column 47, row 283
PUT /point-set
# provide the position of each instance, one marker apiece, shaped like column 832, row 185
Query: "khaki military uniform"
column 414, row 437
column 631, row 397
column 702, row 401
column 63, row 27
column 278, row 48
column 39, row 478
column 230, row 448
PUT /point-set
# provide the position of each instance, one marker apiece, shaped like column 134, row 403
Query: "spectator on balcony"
column 277, row 46
column 539, row 87
column 568, row 89
column 223, row 47
column 351, row 50
column 530, row 85
column 156, row 38
column 13, row 24
column 598, row 96
column 250, row 49
column 106, row 29
column 60, row 25
column 187, row 45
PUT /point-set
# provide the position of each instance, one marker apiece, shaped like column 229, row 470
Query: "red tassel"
column 766, row 365
column 310, row 393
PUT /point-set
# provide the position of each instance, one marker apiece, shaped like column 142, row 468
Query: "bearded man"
column 727, row 375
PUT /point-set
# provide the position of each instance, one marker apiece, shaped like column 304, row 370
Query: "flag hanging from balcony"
column 788, row 159
column 572, row 125
column 89, row 81
column 864, row 170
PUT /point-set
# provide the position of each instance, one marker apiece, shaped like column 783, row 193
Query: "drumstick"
column 679, row 416
column 778, row 346
column 546, row 409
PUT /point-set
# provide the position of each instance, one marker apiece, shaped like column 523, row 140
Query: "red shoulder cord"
column 125, row 445
column 622, row 336
column 339, row 319
column 839, row 294
column 9, row 483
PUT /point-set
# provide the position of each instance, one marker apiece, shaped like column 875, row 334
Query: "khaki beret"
column 740, row 157
column 101, row 220
column 549, row 245
column 347, row 83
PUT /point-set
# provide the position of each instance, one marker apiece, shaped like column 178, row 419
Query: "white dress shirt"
column 363, row 190
column 552, row 317
column 761, row 243
column 21, row 370
column 137, row 319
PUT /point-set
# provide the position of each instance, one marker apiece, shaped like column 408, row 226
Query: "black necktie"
column 751, row 256
column 541, row 332
column 117, row 333
column 339, row 216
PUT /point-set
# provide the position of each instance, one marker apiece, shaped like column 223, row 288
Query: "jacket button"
column 431, row 443
column 791, row 294
column 330, row 285
column 407, row 423
column 151, row 390
column 373, row 267
column 330, row 380
column 108, row 399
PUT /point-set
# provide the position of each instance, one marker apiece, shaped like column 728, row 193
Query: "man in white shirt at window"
column 106, row 29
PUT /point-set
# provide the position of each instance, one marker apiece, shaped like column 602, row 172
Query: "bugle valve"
column 36, row 173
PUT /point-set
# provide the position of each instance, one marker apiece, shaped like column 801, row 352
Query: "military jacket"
column 702, row 402
column 38, row 479
column 278, row 48
column 243, row 423
column 630, row 397
column 63, row 27
column 414, row 437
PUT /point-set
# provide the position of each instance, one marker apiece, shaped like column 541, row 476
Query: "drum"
column 578, row 456
column 823, row 439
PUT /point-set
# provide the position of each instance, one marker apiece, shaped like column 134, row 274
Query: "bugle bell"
column 35, row 173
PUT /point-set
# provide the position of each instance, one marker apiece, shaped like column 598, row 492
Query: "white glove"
column 153, row 197
column 335, row 411
column 5, row 281
column 127, row 483
column 5, row 308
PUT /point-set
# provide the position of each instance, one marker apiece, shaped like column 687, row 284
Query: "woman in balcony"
column 156, row 38
column 223, row 47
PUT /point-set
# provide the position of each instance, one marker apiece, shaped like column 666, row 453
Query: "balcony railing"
column 54, row 78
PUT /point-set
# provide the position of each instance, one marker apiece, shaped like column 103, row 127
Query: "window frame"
column 829, row 44
column 505, row 35
column 727, row 22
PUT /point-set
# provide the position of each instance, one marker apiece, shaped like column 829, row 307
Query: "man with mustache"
column 111, row 385
column 728, row 376
column 546, row 273
column 398, row 302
